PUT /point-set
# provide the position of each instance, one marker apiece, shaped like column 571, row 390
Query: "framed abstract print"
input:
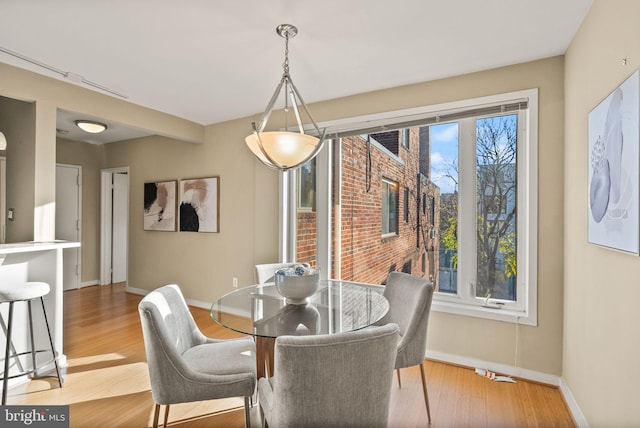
column 199, row 205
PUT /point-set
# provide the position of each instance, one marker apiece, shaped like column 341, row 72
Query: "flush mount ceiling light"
column 90, row 126
column 284, row 150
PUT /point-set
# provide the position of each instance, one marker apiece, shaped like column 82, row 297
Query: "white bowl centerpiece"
column 297, row 284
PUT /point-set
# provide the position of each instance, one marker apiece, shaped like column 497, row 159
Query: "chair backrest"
column 334, row 380
column 265, row 272
column 169, row 330
column 409, row 307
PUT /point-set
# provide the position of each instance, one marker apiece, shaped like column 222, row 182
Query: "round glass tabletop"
column 338, row 306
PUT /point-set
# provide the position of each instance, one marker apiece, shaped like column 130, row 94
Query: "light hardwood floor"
column 107, row 383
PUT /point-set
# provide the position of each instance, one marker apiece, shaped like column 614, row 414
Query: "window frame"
column 467, row 268
column 299, row 199
column 527, row 199
column 390, row 184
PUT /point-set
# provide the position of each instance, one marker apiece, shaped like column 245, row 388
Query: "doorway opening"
column 69, row 221
column 114, row 228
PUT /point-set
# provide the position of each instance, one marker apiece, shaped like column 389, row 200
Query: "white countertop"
column 25, row 247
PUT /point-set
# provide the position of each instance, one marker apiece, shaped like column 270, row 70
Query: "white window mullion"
column 323, row 210
column 467, row 210
column 287, row 216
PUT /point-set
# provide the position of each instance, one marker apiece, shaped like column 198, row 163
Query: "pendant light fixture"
column 285, row 149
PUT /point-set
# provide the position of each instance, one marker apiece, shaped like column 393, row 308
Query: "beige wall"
column 602, row 337
column 538, row 348
column 46, row 95
column 88, row 156
column 17, row 121
column 204, row 264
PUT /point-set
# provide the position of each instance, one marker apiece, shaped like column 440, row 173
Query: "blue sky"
column 444, row 154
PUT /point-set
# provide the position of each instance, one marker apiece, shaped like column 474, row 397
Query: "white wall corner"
column 577, row 414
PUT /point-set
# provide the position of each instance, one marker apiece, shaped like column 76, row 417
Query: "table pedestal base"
column 264, row 356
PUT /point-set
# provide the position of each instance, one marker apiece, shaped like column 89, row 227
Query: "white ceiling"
column 210, row 61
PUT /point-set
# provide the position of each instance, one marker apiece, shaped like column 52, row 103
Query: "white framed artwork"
column 199, row 205
column 160, row 206
column 614, row 176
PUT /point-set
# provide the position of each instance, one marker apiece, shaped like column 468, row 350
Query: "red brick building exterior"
column 368, row 255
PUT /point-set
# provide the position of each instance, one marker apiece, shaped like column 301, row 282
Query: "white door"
column 119, row 229
column 68, row 220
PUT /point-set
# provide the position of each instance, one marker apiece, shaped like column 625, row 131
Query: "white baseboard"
column 510, row 370
column 575, row 410
column 495, row 367
column 89, row 283
column 506, row 369
column 140, row 291
column 198, row 304
column 190, row 302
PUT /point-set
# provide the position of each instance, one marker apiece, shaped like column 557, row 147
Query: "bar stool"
column 24, row 292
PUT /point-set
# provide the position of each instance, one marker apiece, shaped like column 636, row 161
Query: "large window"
column 478, row 244
column 469, row 203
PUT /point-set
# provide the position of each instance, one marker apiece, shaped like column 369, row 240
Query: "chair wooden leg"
column 247, row 415
column 399, row 382
column 166, row 416
column 424, row 389
column 156, row 413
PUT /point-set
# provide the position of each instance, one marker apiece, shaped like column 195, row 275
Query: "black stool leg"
column 53, row 350
column 13, row 348
column 5, row 380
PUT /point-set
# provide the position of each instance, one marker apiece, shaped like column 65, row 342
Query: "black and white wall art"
column 199, row 205
column 160, row 206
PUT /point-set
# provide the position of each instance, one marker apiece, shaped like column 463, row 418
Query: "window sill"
column 496, row 314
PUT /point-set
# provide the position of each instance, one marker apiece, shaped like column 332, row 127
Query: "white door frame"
column 69, row 252
column 106, row 221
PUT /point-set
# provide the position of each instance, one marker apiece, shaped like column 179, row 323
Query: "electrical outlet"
column 235, row 282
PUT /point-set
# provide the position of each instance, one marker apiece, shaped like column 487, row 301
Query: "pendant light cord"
column 285, row 64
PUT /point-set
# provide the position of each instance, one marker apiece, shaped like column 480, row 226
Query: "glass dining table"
column 260, row 311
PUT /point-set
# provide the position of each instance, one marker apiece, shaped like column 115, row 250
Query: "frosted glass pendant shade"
column 285, row 149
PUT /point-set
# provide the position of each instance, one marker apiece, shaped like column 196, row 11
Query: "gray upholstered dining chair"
column 184, row 364
column 265, row 272
column 331, row 380
column 409, row 306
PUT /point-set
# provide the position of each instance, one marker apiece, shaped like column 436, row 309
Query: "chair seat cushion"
column 23, row 291
column 231, row 357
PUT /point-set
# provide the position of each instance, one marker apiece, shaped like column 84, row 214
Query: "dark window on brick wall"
column 406, row 205
column 389, row 207
column 389, row 140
